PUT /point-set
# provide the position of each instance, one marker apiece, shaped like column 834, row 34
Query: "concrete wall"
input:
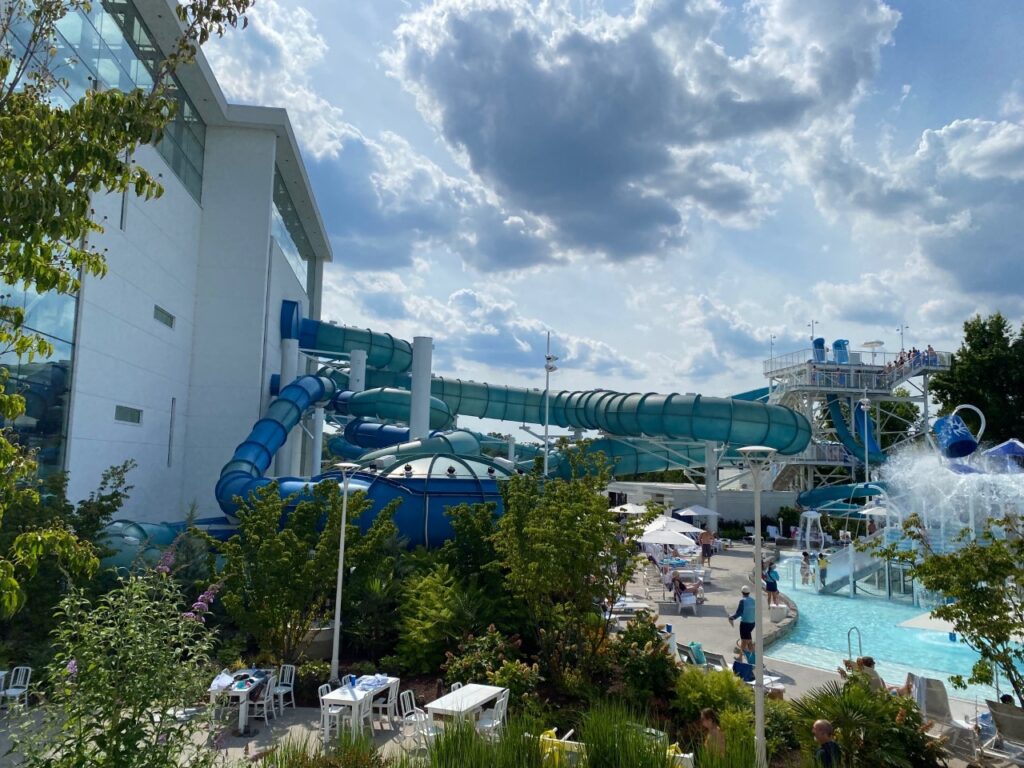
column 126, row 357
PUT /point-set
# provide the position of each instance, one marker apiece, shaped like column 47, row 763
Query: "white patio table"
column 367, row 685
column 238, row 690
column 467, row 700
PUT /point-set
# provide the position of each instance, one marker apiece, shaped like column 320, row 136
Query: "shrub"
column 643, row 668
column 480, row 657
column 309, row 676
column 615, row 737
column 123, row 664
column 520, row 678
column 719, row 690
column 351, row 751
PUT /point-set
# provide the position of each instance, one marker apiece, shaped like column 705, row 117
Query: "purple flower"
column 166, row 561
column 71, row 668
column 200, row 607
column 189, row 615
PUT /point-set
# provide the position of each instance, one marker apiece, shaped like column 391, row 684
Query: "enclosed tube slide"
column 855, row 448
column 866, row 432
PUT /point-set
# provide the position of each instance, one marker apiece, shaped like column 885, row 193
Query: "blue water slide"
column 866, row 432
column 841, row 351
column 818, row 346
column 855, row 448
column 245, row 472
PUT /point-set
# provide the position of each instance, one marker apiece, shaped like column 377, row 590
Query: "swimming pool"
column 820, row 640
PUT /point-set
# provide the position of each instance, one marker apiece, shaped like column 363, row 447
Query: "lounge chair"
column 1008, row 743
column 932, row 699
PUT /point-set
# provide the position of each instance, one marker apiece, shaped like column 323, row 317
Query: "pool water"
column 820, row 640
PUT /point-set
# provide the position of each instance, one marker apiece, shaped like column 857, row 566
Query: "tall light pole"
column 865, row 404
column 758, row 457
column 771, row 349
column 811, row 326
column 903, row 327
column 549, row 368
column 346, row 470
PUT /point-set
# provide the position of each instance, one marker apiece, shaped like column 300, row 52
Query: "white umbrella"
column 667, row 536
column 670, row 524
column 630, row 509
column 695, row 511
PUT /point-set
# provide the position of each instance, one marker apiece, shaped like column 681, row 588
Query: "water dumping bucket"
column 954, row 438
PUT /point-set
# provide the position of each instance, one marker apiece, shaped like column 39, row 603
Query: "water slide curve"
column 640, row 430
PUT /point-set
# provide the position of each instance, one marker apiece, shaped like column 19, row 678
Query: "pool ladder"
column 849, row 643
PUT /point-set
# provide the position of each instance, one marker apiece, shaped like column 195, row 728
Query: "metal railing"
column 894, row 361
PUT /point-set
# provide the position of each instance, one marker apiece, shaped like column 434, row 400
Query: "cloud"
column 384, row 203
column 476, row 327
column 619, row 129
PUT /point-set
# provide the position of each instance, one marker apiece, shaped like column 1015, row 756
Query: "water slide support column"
column 711, row 481
column 357, row 370
column 285, row 460
column 318, row 440
column 419, row 409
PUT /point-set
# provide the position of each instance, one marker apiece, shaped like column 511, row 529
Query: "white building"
column 167, row 359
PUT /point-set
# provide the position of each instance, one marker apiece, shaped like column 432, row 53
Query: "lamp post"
column 549, row 368
column 811, row 326
column 865, row 404
column 771, row 347
column 758, row 457
column 346, row 469
column 903, row 327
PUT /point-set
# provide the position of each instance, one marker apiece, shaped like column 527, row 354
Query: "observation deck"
column 877, row 373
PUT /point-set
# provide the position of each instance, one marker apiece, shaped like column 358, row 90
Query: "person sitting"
column 865, row 665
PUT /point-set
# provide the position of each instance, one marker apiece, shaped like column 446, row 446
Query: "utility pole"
column 549, row 368
column 811, row 326
column 900, row 331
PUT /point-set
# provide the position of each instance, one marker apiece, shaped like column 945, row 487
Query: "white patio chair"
column 264, row 705
column 687, row 600
column 491, row 720
column 387, row 705
column 285, row 687
column 329, row 713
column 360, row 715
column 348, row 679
column 425, row 731
column 1008, row 742
column 17, row 686
column 455, row 687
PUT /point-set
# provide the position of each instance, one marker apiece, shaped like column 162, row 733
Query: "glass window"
column 127, row 414
column 163, row 316
column 288, row 231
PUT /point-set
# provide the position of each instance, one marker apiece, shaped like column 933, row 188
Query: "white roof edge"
column 203, row 89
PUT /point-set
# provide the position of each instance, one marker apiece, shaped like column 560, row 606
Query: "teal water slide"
column 851, row 443
column 677, row 424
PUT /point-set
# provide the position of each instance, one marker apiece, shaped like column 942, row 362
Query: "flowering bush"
column 128, row 669
column 480, row 657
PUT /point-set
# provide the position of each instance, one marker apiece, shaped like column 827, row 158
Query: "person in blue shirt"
column 771, row 584
column 745, row 612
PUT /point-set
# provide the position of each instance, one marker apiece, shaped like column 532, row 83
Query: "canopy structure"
column 669, row 537
column 1012, row 447
column 670, row 524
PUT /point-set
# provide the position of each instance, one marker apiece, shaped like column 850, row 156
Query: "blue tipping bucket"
column 954, row 438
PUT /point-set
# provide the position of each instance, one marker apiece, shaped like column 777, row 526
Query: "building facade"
column 167, row 359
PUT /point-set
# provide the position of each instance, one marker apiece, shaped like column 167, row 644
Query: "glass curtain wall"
column 44, row 383
column 287, row 230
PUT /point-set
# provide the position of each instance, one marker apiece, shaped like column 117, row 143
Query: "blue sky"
column 664, row 185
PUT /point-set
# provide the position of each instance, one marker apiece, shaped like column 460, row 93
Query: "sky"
column 674, row 189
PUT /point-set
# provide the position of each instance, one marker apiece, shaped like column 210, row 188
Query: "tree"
column 565, row 554
column 53, row 159
column 988, row 372
column 983, row 580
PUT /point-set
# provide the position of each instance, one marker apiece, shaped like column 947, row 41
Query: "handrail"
column 849, row 643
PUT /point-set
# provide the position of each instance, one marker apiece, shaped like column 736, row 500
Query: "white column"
column 419, row 409
column 288, row 455
column 711, row 481
column 357, row 370
column 318, row 440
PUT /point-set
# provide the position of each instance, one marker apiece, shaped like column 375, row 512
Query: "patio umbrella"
column 695, row 511
column 667, row 523
column 669, row 537
column 630, row 509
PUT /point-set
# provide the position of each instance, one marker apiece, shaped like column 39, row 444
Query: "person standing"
column 827, row 753
column 771, row 584
column 714, row 738
column 746, row 612
column 707, row 547
column 822, row 567
column 805, row 568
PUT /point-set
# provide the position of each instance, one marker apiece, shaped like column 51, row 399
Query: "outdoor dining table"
column 367, row 685
column 466, row 701
column 240, row 688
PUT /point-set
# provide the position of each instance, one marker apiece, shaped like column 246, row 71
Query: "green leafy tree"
column 988, row 372
column 53, row 159
column 124, row 664
column 280, row 568
column 983, row 580
column 564, row 554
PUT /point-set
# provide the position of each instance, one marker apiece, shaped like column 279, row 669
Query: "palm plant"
column 872, row 728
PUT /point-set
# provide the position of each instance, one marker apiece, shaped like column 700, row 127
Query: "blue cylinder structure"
column 954, row 438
